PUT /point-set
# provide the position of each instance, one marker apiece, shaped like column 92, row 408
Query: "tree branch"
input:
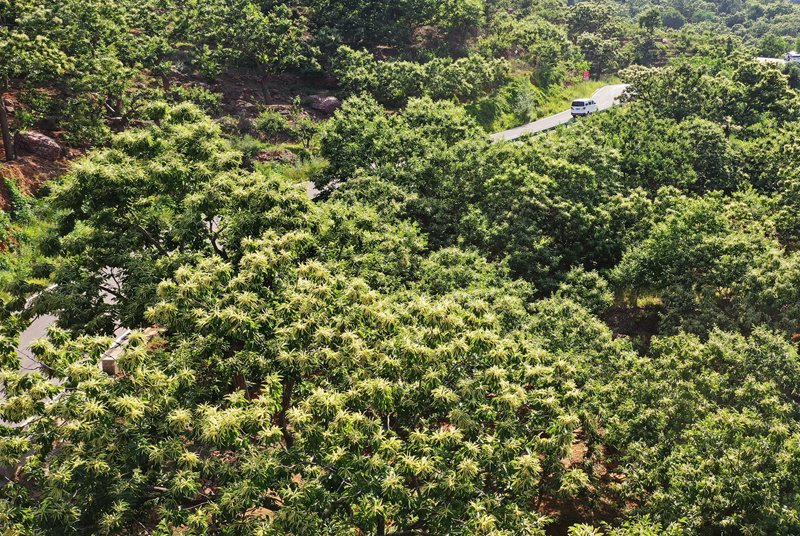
column 112, row 292
column 212, row 239
column 127, row 223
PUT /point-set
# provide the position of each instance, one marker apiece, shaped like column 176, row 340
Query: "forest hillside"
column 352, row 312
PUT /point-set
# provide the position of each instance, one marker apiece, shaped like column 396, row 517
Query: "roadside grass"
column 560, row 100
column 520, row 102
column 20, row 260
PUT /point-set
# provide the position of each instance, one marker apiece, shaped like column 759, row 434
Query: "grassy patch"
column 560, row 100
column 520, row 102
column 20, row 261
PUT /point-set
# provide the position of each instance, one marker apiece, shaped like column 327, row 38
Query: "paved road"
column 770, row 60
column 36, row 330
column 606, row 97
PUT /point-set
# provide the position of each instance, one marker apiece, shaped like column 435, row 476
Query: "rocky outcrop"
column 38, row 144
column 275, row 155
column 325, row 103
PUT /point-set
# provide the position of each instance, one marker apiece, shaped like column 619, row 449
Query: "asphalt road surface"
column 606, row 97
column 770, row 60
column 36, row 330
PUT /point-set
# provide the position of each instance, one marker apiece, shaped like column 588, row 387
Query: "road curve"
column 606, row 97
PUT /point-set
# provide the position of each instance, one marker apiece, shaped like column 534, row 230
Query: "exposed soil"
column 597, row 504
column 246, row 95
column 29, row 173
column 639, row 323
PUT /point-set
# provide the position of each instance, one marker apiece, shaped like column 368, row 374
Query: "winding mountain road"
column 606, row 97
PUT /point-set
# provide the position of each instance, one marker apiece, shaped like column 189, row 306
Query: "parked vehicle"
column 583, row 107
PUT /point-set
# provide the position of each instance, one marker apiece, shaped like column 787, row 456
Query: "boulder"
column 39, row 145
column 275, row 155
column 325, row 103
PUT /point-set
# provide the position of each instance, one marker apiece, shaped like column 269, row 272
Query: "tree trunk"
column 240, row 384
column 264, row 84
column 238, row 380
column 286, row 401
column 8, row 145
column 265, row 91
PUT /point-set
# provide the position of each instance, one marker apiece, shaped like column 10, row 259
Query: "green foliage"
column 715, row 264
column 249, row 147
column 603, row 54
column 86, row 53
column 363, row 136
column 595, row 17
column 418, row 350
column 672, row 18
column 95, row 57
column 394, row 82
column 366, row 23
column 269, row 36
column 539, row 44
column 271, row 123
column 650, row 20
column 499, row 200
column 352, row 408
column 772, row 46
column 101, row 61
column 754, row 93
column 712, row 429
column 588, row 289
column 131, row 214
column 306, row 129
column 20, row 209
column 202, row 97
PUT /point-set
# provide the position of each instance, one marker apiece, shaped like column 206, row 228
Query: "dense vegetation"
column 590, row 331
column 88, row 68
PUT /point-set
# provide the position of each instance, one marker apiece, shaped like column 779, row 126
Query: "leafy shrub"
column 5, row 229
column 587, row 288
column 249, row 146
column 523, row 100
column 710, row 432
column 20, row 204
column 207, row 64
column 204, row 98
column 271, row 123
column 305, row 129
column 84, row 123
column 672, row 18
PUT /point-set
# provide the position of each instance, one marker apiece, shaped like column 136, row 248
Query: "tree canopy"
column 365, row 316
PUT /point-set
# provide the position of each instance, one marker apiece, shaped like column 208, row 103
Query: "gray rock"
column 325, row 103
column 38, row 144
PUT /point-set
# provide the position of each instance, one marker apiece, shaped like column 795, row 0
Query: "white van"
column 583, row 107
column 792, row 56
